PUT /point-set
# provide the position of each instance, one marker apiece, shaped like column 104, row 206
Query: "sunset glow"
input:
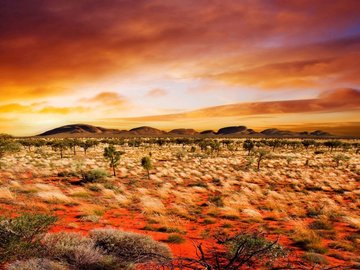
column 180, row 64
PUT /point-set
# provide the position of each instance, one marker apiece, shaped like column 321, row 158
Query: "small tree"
column 261, row 154
column 248, row 145
column 113, row 157
column 147, row 165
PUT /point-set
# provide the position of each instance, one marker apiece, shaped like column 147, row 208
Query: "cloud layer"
column 62, row 54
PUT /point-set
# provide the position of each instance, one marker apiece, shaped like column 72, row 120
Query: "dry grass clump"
column 54, row 196
column 152, row 205
column 252, row 213
column 37, row 264
column 91, row 213
column 307, row 239
column 352, row 221
column 5, row 193
column 122, row 199
column 314, row 258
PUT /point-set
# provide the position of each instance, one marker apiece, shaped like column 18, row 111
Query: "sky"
column 205, row 64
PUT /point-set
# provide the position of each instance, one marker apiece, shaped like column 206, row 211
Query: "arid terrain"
column 305, row 193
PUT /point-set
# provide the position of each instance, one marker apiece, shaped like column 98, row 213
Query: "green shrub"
column 209, row 221
column 216, row 200
column 20, row 236
column 175, row 238
column 227, row 225
column 314, row 258
column 94, row 188
column 168, row 229
column 198, row 184
column 251, row 242
column 67, row 174
column 320, row 224
column 92, row 176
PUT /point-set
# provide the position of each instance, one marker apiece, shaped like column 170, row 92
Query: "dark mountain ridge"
column 84, row 130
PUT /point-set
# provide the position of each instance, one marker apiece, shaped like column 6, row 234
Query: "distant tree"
column 160, row 142
column 39, row 143
column 59, row 145
column 73, row 143
column 308, row 143
column 275, row 143
column 147, row 165
column 113, row 157
column 293, row 144
column 248, row 145
column 332, row 144
column 193, row 149
column 27, row 143
column 215, row 146
column 339, row 158
column 8, row 146
column 135, row 143
column 85, row 145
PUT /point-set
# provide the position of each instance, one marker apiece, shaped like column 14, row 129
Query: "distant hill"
column 208, row 132
column 277, row 132
column 240, row 130
column 83, row 130
column 274, row 132
column 146, row 131
column 79, row 129
column 184, row 131
column 319, row 133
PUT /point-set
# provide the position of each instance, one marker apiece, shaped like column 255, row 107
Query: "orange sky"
column 199, row 64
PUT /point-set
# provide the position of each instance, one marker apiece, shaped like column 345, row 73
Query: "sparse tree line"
column 257, row 149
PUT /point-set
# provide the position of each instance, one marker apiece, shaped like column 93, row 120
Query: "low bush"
column 37, row 264
column 74, row 249
column 129, row 247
